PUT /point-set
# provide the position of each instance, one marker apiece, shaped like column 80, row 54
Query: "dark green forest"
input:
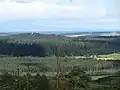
column 14, row 47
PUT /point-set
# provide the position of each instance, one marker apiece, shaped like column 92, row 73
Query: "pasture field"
column 113, row 55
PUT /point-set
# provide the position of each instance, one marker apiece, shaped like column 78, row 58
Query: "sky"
column 59, row 15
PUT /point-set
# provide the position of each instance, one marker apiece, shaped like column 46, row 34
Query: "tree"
column 77, row 78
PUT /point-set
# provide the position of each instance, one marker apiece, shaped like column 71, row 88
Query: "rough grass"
column 66, row 63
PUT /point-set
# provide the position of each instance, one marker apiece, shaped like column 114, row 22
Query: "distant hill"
column 5, row 34
column 92, row 34
column 34, row 36
column 65, row 36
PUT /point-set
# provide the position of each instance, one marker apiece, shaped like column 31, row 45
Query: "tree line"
column 57, row 48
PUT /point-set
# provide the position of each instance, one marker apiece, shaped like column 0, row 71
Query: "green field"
column 113, row 55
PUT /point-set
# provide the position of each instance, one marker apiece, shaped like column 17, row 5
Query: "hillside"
column 35, row 36
column 96, row 38
column 5, row 34
column 92, row 34
column 27, row 44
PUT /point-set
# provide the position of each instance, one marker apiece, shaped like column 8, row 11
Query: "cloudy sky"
column 53, row 15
